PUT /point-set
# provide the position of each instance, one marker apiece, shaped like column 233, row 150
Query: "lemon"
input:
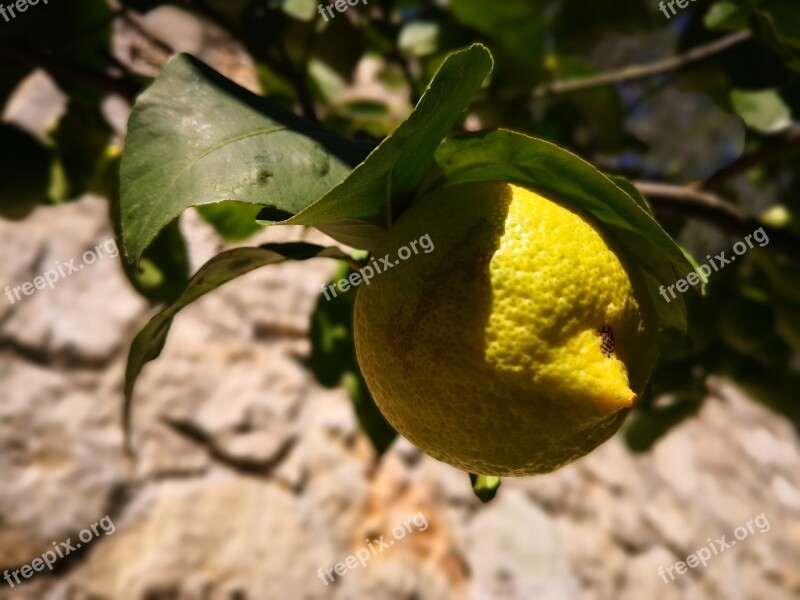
column 516, row 345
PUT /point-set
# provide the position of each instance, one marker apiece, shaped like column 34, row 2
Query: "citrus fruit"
column 517, row 344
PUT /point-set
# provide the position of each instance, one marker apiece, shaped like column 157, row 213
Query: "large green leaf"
column 195, row 137
column 163, row 270
column 221, row 269
column 392, row 172
column 513, row 157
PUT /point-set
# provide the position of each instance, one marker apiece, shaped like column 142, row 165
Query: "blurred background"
column 259, row 458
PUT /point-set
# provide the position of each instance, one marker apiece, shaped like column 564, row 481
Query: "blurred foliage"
column 359, row 75
column 333, row 358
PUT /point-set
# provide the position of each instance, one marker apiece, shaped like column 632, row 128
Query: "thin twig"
column 635, row 72
column 708, row 207
column 135, row 23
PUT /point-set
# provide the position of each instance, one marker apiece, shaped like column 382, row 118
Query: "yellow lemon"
column 516, row 344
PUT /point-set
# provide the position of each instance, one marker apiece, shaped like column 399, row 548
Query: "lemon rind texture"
column 487, row 353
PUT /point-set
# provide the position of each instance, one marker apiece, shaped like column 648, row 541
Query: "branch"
column 766, row 154
column 135, row 23
column 635, row 72
column 689, row 202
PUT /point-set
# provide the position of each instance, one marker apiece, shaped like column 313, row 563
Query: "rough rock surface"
column 249, row 477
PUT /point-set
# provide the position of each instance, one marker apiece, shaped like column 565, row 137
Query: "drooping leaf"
column 513, row 157
column 195, row 137
column 221, row 269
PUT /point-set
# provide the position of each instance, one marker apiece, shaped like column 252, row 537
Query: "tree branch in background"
column 765, row 154
column 635, row 72
column 134, row 22
column 689, row 202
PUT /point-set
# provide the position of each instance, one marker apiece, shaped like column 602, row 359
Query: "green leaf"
column 394, row 169
column 696, row 267
column 81, row 140
column 518, row 27
column 632, row 191
column 764, row 110
column 195, row 137
column 303, row 10
column 537, row 164
column 419, row 38
column 646, row 427
column 333, row 360
column 374, row 424
column 233, row 221
column 786, row 18
column 163, row 271
column 485, row 486
column 726, row 16
column 221, row 269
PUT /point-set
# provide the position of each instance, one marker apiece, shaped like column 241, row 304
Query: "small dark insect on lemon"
column 606, row 340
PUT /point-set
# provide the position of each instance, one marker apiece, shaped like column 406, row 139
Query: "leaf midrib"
column 194, row 160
